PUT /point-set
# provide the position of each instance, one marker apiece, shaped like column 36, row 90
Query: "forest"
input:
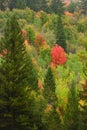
column 43, row 64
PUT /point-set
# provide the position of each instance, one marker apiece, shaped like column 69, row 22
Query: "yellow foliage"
column 49, row 108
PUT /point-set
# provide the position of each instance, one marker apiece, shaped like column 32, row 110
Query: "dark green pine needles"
column 13, row 80
column 60, row 34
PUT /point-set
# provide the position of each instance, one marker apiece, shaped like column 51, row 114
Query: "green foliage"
column 32, row 74
column 31, row 35
column 22, row 104
column 37, row 5
column 65, row 75
column 57, row 6
column 4, row 4
column 13, row 80
column 71, row 119
column 49, row 87
column 20, row 4
column 72, row 7
column 60, row 34
column 52, row 106
column 82, row 25
column 83, row 100
column 83, row 6
column 71, row 34
column 43, row 18
column 73, row 63
column 44, row 58
column 37, row 104
column 51, row 119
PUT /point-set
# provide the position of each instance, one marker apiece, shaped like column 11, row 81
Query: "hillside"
column 43, row 66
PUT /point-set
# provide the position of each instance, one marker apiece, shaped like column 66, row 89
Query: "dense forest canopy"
column 43, row 65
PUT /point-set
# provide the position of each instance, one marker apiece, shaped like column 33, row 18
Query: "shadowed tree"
column 57, row 6
column 83, row 5
column 37, row 5
column 60, row 34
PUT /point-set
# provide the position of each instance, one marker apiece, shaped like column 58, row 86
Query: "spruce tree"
column 49, row 86
column 13, row 80
column 51, row 118
column 37, row 5
column 20, row 4
column 32, row 74
column 60, row 34
column 83, row 106
column 83, row 5
column 57, row 6
column 1, row 5
column 71, row 119
column 4, row 4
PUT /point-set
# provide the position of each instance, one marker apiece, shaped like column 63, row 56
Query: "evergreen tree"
column 60, row 34
column 20, row 4
column 14, row 113
column 32, row 74
column 4, row 4
column 72, row 7
column 12, row 4
column 37, row 5
column 57, row 6
column 71, row 119
column 1, row 5
column 49, row 86
column 52, row 120
column 83, row 98
column 83, row 5
column 51, row 117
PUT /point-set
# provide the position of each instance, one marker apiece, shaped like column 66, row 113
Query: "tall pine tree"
column 32, row 74
column 20, row 4
column 83, row 98
column 13, row 80
column 37, row 5
column 60, row 34
column 57, row 6
column 49, row 87
column 71, row 119
column 83, row 5
column 50, row 96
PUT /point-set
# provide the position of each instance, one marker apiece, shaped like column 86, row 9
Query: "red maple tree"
column 58, row 55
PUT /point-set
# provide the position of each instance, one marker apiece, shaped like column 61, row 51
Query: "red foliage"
column 58, row 55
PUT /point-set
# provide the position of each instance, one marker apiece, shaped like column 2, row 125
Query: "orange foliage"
column 67, row 3
column 4, row 52
column 40, row 85
column 38, row 15
column 24, row 33
column 26, row 42
column 68, row 13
